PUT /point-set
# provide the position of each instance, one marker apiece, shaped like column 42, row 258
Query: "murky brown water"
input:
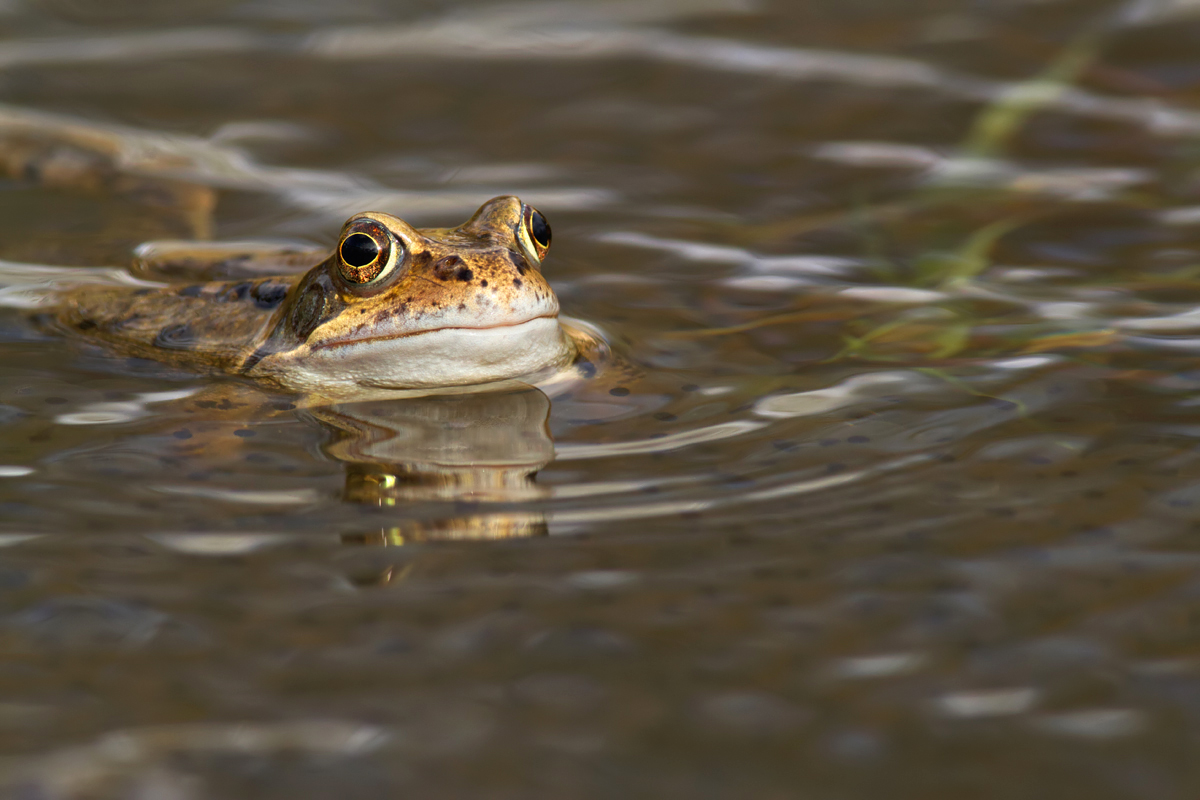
column 907, row 504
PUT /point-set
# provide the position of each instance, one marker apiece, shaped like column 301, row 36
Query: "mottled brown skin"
column 484, row 273
column 203, row 327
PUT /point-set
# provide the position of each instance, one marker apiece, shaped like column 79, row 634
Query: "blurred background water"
column 907, row 503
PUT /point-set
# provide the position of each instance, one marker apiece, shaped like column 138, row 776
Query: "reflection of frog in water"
column 480, row 448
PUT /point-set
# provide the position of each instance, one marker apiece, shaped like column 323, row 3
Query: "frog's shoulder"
column 197, row 325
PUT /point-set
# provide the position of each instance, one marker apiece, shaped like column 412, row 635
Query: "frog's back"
column 208, row 326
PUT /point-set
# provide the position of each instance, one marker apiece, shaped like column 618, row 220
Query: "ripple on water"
column 98, row 623
column 904, row 503
column 751, row 714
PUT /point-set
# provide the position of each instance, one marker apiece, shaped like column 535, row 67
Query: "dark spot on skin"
column 244, row 433
column 517, row 283
column 518, row 261
column 269, row 295
column 464, row 275
column 420, row 260
column 620, row 391
column 462, row 306
column 483, row 283
column 143, row 292
column 206, row 404
column 449, row 267
column 86, row 324
column 182, row 433
column 175, row 337
column 236, row 292
column 588, row 369
column 190, row 291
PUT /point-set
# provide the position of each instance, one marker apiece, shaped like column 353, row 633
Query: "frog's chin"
column 431, row 359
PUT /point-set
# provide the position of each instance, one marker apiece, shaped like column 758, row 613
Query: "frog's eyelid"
column 528, row 248
column 395, row 251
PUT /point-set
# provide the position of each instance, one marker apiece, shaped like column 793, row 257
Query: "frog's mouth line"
column 409, row 334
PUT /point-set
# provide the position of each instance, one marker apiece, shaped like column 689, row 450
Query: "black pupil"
column 359, row 250
column 540, row 229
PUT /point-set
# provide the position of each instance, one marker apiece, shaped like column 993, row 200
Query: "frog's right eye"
column 365, row 254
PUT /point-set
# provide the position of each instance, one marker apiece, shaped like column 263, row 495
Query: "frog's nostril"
column 452, row 268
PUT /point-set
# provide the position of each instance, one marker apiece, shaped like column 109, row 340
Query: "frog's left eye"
column 536, row 230
column 365, row 254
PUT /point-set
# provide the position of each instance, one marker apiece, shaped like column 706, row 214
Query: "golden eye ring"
column 366, row 253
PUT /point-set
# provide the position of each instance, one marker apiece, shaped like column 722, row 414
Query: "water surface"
column 907, row 503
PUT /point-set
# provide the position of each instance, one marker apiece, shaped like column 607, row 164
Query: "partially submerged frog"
column 456, row 315
column 393, row 308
